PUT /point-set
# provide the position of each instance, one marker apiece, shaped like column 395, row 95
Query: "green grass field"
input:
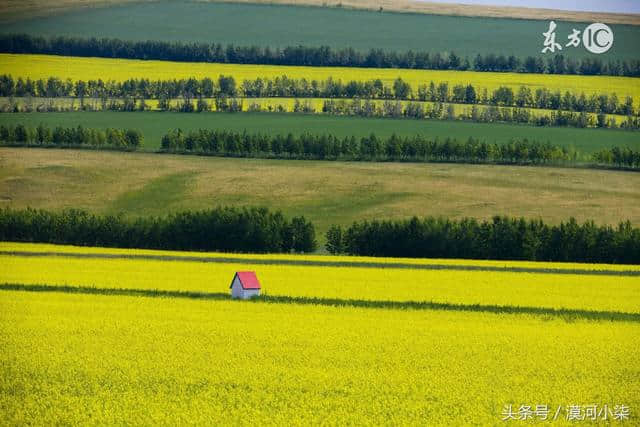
column 128, row 340
column 325, row 192
column 155, row 124
column 250, row 24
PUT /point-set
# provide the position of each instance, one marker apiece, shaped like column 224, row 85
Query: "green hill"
column 284, row 25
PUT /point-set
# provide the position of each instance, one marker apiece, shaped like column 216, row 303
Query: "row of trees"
column 621, row 157
column 222, row 229
column 311, row 56
column 118, row 139
column 259, row 230
column 372, row 147
column 313, row 146
column 501, row 238
column 490, row 114
column 54, row 87
column 285, row 87
column 356, row 107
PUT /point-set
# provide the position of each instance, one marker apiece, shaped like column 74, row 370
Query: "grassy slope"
column 45, row 66
column 325, row 192
column 155, row 124
column 277, row 25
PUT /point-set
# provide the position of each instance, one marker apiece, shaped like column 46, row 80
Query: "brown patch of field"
column 20, row 9
column 433, row 8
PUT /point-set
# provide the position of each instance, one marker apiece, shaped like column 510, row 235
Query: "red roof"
column 248, row 280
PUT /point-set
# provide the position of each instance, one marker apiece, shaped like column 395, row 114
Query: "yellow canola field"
column 106, row 360
column 48, row 248
column 76, row 68
column 70, row 358
column 343, row 284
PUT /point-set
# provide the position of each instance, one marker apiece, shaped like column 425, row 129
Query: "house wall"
column 238, row 292
column 236, row 289
column 248, row 293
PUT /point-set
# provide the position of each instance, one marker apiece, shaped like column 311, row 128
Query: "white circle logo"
column 597, row 38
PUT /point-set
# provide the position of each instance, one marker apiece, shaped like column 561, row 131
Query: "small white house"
column 245, row 285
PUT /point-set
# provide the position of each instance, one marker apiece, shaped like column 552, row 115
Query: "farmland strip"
column 355, row 264
column 567, row 314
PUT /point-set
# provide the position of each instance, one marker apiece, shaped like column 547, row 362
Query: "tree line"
column 621, row 157
column 310, row 56
column 444, row 111
column 229, row 229
column 501, row 238
column 225, row 229
column 79, row 136
column 285, row 87
column 307, row 146
column 355, row 107
column 373, row 148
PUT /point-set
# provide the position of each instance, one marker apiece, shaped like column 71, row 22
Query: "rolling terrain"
column 114, row 336
column 285, row 25
column 14, row 10
column 324, row 192
column 459, row 9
